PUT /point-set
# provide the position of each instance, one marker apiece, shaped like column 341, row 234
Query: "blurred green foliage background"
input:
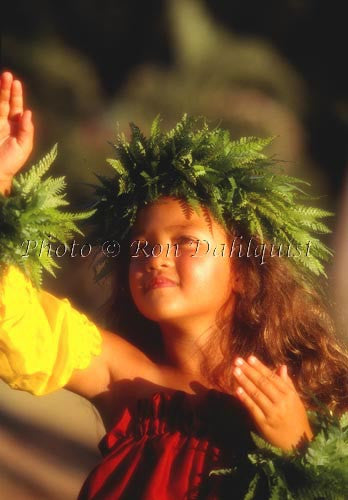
column 263, row 67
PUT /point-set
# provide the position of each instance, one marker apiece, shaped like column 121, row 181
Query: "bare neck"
column 184, row 344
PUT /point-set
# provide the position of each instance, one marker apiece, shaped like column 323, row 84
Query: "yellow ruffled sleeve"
column 43, row 339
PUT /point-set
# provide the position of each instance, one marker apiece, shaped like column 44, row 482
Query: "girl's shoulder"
column 118, row 360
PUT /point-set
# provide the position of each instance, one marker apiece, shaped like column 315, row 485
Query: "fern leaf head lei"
column 240, row 185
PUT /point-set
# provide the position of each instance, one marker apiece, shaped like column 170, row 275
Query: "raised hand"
column 273, row 402
column 16, row 129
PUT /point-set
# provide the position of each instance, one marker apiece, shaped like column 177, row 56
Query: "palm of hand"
column 16, row 128
column 12, row 155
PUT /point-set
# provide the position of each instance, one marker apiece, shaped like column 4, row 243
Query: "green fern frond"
column 117, row 165
column 155, row 131
column 32, row 214
column 235, row 179
column 31, row 179
column 248, row 149
column 316, row 471
column 250, row 494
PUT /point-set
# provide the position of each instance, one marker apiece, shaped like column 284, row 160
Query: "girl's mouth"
column 160, row 282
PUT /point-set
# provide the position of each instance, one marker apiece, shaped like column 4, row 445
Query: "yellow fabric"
column 42, row 338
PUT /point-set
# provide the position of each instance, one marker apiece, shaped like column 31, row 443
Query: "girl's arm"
column 45, row 343
column 118, row 360
column 37, row 347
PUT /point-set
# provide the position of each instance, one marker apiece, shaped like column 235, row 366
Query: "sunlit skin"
column 16, row 130
column 186, row 312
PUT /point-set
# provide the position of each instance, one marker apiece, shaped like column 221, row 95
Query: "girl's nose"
column 158, row 259
column 157, row 262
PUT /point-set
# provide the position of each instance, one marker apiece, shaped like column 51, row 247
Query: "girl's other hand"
column 16, row 130
column 273, row 402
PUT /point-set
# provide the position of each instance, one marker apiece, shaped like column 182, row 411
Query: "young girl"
column 206, row 345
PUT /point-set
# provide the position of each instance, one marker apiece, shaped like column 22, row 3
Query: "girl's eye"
column 187, row 240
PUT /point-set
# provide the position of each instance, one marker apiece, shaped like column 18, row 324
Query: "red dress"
column 165, row 448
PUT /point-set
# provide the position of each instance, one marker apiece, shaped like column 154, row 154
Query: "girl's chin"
column 160, row 289
column 161, row 313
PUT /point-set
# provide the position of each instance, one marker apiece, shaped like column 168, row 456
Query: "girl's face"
column 201, row 282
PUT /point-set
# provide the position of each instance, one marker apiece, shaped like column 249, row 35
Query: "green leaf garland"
column 235, row 179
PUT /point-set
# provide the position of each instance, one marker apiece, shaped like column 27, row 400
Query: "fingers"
column 260, row 385
column 25, row 129
column 278, row 382
column 5, row 93
column 11, row 108
column 16, row 99
column 11, row 96
column 283, row 372
column 264, row 377
column 251, row 394
column 250, row 404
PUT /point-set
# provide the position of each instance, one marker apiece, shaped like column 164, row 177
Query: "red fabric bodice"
column 165, row 448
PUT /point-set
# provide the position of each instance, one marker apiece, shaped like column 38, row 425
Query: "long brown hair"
column 277, row 316
column 282, row 319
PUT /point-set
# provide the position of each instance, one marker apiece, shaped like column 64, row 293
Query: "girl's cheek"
column 194, row 269
column 196, row 250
